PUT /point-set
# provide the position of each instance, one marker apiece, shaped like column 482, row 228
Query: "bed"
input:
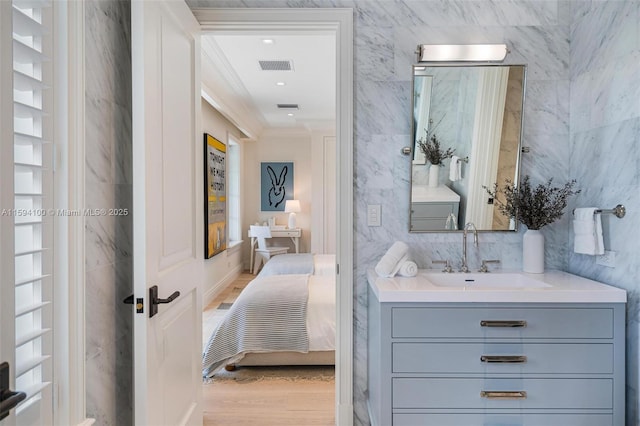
column 285, row 316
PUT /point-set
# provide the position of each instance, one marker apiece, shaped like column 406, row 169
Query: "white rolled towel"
column 587, row 229
column 408, row 268
column 390, row 263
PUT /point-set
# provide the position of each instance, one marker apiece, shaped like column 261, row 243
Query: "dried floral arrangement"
column 533, row 207
column 430, row 147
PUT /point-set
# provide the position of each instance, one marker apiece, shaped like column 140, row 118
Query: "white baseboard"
column 217, row 288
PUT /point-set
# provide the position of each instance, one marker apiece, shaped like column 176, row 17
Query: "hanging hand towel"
column 455, row 169
column 390, row 263
column 587, row 229
column 408, row 268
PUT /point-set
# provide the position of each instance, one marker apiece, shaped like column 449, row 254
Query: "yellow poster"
column 216, row 197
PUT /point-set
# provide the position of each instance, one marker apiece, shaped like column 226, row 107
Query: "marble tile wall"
column 605, row 150
column 108, row 239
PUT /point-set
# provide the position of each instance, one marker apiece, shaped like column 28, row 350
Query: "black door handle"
column 155, row 300
column 8, row 399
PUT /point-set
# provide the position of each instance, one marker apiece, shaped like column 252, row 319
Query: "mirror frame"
column 416, row 68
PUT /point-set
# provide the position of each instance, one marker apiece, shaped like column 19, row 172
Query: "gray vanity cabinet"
column 462, row 364
column 433, row 216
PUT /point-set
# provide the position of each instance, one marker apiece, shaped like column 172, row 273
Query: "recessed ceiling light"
column 290, row 114
column 280, row 83
column 267, row 41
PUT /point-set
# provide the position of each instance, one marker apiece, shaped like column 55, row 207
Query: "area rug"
column 323, row 373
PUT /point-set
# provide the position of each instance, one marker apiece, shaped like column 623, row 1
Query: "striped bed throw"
column 270, row 315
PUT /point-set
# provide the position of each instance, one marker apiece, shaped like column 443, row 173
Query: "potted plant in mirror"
column 534, row 207
column 430, row 147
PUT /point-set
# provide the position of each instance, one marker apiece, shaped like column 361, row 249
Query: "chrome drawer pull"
column 488, row 323
column 507, row 359
column 503, row 394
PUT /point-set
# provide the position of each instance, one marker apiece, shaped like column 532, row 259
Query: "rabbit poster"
column 216, row 197
column 276, row 186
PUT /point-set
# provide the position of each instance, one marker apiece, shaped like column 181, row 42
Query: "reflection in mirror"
column 477, row 112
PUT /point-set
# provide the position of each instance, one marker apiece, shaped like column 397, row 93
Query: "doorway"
column 340, row 23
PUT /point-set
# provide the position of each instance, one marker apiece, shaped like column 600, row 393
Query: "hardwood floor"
column 271, row 402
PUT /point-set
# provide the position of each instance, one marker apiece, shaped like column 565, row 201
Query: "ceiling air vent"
column 275, row 65
column 287, row 106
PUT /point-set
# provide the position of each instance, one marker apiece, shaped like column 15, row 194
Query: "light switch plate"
column 373, row 215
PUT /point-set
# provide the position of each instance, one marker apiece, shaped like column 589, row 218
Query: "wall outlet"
column 373, row 215
column 607, row 259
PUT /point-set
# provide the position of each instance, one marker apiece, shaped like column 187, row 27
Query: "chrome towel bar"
column 619, row 211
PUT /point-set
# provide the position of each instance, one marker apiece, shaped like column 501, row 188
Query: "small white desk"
column 294, row 234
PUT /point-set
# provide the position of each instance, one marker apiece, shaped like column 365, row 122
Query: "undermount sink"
column 484, row 280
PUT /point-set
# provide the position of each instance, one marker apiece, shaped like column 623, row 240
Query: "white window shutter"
column 32, row 76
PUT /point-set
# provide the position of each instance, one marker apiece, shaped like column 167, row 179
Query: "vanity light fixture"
column 461, row 52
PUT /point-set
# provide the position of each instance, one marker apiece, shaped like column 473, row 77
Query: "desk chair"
column 264, row 253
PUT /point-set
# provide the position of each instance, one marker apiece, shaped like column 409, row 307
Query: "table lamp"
column 292, row 207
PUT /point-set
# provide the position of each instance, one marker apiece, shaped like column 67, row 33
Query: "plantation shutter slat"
column 33, row 192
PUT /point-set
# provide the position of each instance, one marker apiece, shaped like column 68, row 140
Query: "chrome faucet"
column 464, row 267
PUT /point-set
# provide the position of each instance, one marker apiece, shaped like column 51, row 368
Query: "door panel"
column 167, row 212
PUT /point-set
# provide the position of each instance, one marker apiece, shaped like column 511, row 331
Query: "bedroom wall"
column 279, row 146
column 224, row 267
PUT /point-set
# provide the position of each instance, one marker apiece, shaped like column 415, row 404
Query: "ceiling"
column 248, row 95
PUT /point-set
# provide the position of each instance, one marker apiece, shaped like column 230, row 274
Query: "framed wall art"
column 215, row 208
column 276, row 186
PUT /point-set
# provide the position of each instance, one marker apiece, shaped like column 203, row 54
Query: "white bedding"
column 300, row 263
column 321, row 313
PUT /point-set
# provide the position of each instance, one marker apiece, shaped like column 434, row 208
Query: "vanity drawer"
column 508, row 358
column 429, row 224
column 480, row 419
column 466, row 393
column 504, row 323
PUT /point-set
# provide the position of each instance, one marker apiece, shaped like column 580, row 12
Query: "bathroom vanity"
column 497, row 348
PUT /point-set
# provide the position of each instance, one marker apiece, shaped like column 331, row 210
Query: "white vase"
column 434, row 175
column 533, row 251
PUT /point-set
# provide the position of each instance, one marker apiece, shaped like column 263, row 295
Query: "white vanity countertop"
column 426, row 194
column 562, row 288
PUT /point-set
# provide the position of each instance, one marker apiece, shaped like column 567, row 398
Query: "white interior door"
column 167, row 213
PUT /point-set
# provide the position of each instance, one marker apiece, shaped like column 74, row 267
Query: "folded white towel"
column 587, row 230
column 408, row 268
column 390, row 263
column 455, row 169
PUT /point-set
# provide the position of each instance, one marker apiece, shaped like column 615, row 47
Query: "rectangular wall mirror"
column 477, row 111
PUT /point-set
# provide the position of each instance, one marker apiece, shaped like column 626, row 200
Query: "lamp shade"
column 292, row 206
